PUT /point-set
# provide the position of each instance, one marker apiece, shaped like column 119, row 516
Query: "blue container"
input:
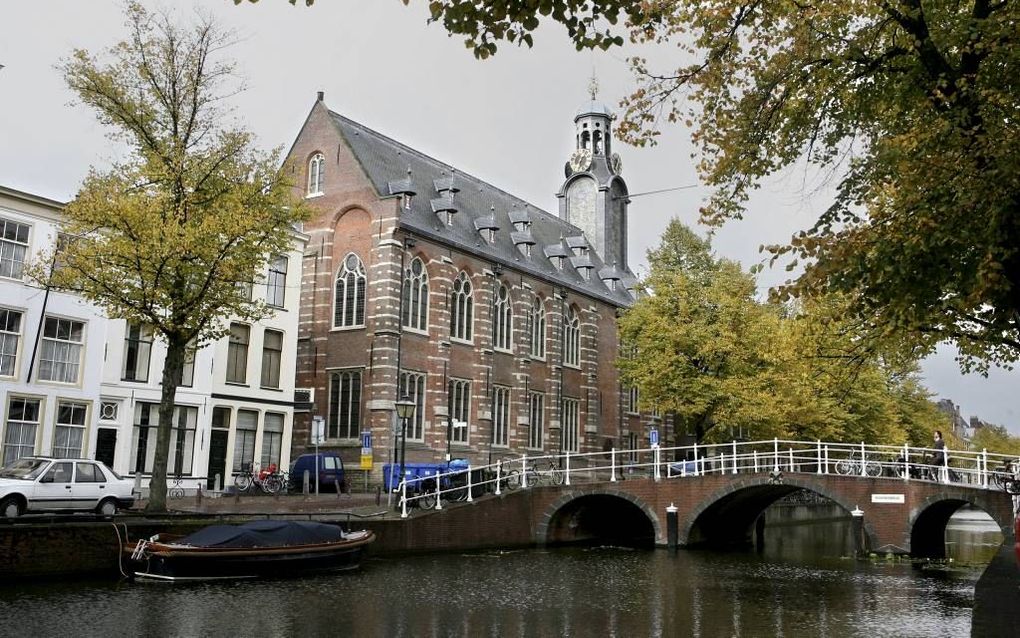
column 417, row 472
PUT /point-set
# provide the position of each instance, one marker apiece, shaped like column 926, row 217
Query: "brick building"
column 498, row 319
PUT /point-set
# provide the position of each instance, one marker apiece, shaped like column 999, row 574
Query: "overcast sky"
column 507, row 120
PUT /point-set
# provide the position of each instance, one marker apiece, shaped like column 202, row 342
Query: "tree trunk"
column 172, row 368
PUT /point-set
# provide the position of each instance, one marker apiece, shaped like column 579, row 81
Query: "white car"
column 41, row 484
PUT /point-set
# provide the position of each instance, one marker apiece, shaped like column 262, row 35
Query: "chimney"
column 320, row 95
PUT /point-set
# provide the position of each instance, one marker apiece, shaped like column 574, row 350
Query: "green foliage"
column 995, row 438
column 699, row 345
column 168, row 236
column 910, row 106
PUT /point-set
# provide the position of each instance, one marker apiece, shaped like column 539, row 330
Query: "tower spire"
column 593, row 85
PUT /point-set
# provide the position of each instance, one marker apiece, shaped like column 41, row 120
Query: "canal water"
column 800, row 584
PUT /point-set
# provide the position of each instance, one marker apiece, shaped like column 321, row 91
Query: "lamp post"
column 405, row 410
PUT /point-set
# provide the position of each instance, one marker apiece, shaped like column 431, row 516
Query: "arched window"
column 502, row 328
column 315, row 174
column 585, row 139
column 598, row 143
column 415, row 302
column 461, row 308
column 571, row 338
column 538, row 328
column 349, row 298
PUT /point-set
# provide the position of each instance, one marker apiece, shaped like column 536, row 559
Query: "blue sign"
column 653, row 437
column 366, row 439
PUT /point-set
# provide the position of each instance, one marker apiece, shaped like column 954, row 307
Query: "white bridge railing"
column 978, row 470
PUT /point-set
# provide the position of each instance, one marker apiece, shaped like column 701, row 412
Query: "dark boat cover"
column 264, row 534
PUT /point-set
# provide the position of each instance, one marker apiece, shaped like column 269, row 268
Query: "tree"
column 700, row 346
column 995, row 438
column 910, row 107
column 173, row 235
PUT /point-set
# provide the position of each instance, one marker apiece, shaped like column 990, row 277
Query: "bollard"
column 857, row 529
column 672, row 528
column 198, row 495
column 305, row 486
column 219, row 482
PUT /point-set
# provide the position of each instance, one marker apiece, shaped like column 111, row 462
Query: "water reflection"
column 801, row 584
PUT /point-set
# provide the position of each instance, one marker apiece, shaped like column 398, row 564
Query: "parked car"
column 331, row 471
column 42, row 484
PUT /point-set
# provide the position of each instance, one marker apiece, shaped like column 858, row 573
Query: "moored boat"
column 256, row 549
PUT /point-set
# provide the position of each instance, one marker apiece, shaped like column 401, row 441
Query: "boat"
column 257, row 549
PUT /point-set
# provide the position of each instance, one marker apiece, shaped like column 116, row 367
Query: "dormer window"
column 316, row 167
column 405, row 201
column 490, row 235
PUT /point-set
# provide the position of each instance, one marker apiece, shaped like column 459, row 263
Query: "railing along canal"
column 978, row 470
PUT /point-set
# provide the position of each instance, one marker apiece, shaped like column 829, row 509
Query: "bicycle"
column 1007, row 477
column 852, row 467
column 269, row 480
column 543, row 473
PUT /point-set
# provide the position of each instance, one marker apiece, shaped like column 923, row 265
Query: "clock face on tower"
column 580, row 160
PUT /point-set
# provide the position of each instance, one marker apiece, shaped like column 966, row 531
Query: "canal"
column 801, row 583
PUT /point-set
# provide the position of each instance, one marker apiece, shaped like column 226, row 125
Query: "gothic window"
column 315, row 174
column 416, row 296
column 412, row 385
column 502, row 330
column 538, row 328
column 571, row 426
column 349, row 294
column 536, row 409
column 571, row 338
column 344, row 421
column 461, row 309
column 500, row 415
column 460, row 408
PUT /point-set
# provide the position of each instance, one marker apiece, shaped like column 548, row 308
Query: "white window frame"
column 13, row 248
column 503, row 322
column 571, row 425
column 316, row 164
column 142, row 345
column 146, row 417
column 10, row 341
column 412, row 385
column 459, row 396
column 272, row 360
column 343, row 420
column 74, row 426
column 27, row 429
column 244, row 439
column 462, row 312
column 272, row 438
column 536, row 420
column 538, row 329
column 572, row 338
column 349, row 309
column 237, row 355
column 415, row 295
column 64, row 354
column 276, row 281
column 500, row 416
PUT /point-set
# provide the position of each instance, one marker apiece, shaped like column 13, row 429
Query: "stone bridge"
column 902, row 517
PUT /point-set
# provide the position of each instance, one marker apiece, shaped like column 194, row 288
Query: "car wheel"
column 10, row 507
column 107, row 508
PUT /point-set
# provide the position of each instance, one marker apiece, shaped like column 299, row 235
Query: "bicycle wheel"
column 427, row 501
column 999, row 480
column 272, row 484
column 844, row 467
column 873, row 469
column 513, row 479
column 555, row 475
column 243, row 482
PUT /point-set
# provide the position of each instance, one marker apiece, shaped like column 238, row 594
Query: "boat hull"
column 167, row 562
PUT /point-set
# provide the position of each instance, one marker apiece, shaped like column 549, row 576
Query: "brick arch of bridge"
column 748, row 497
column 572, row 495
column 930, row 515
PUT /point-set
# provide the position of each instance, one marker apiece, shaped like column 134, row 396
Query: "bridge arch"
column 606, row 515
column 927, row 522
column 727, row 515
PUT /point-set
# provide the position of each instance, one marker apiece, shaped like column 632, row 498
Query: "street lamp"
column 405, row 410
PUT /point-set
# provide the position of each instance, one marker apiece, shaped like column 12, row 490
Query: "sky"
column 507, row 120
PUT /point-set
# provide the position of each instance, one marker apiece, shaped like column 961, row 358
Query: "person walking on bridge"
column 939, row 458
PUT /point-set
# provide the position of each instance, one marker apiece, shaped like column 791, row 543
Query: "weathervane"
column 593, row 86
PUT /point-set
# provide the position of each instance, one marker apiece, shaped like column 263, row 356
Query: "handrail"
column 890, row 462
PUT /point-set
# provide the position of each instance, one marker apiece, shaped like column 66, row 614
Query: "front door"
column 106, row 446
column 217, row 457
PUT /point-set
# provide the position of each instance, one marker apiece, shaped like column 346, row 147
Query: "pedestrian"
column 939, row 458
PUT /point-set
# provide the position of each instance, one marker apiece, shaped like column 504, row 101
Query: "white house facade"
column 235, row 404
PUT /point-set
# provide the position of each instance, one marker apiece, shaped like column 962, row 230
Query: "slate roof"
column 470, row 202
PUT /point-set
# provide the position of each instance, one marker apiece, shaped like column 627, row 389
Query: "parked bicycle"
column 1007, row 477
column 540, row 473
column 270, row 479
column 852, row 466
